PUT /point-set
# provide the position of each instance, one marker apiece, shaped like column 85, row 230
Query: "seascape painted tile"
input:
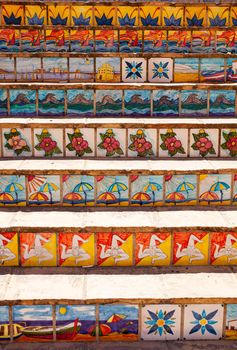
column 142, row 143
column 172, row 16
column 155, row 40
column 203, row 321
column 222, row 103
column 114, row 249
column 43, row 190
column 203, row 41
column 5, row 325
column 179, row 41
column 81, row 15
column 31, row 321
column 134, row 70
column 190, row 248
column 75, row 323
column 58, row 15
column 12, row 15
column 55, row 69
column 48, row 142
column 109, row 103
column 231, row 70
column 231, row 323
column 146, row 190
column 23, row 103
column 80, row 103
column 76, row 249
column 32, row 40
column 81, row 69
column 108, row 69
column 9, row 40
column 130, row 40
column 161, row 322
column 17, row 142
column 194, row 103
column 81, row 40
column 215, row 189
column 195, row 16
column 78, row 190
column 186, row 70
column 212, row 70
column 160, row 70
column 218, row 16
column 106, row 40
column 226, row 41
column 150, row 15
column 12, row 190
column 3, row 102
column 57, row 40
column 51, row 103
column 80, row 142
column 137, row 103
column 7, row 71
column 38, row 249
column 228, row 143
column 223, row 249
column 28, row 69
column 166, row 103
column 104, row 15
column 118, row 322
column 173, row 143
column 35, row 14
column 204, row 142
column 112, row 190
column 234, row 199
column 153, row 249
column 127, row 16
column 9, row 251
column 180, row 190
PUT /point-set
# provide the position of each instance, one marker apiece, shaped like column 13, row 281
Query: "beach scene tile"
column 12, row 190
column 146, row 190
column 212, row 70
column 4, row 322
column 222, row 103
column 23, row 103
column 194, row 103
column 231, row 327
column 51, row 103
column 109, row 102
column 180, row 190
column 112, row 190
column 137, row 102
column 78, row 190
column 186, row 70
column 9, row 40
column 166, row 103
column 215, row 189
column 80, row 103
column 43, row 190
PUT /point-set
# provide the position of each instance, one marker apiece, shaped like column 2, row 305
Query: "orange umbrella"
column 104, row 329
column 38, row 196
column 175, row 197
column 72, row 197
column 106, row 197
column 208, row 196
column 141, row 197
column 116, row 318
column 6, row 197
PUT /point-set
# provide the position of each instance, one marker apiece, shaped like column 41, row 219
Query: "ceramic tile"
column 104, row 15
column 150, row 15
column 172, row 16
column 155, row 40
column 80, row 142
column 23, row 103
column 134, row 70
column 109, row 103
column 28, row 69
column 82, row 40
column 223, row 249
column 43, row 190
column 81, row 15
column 12, row 15
column 55, row 69
column 51, row 103
column 218, row 16
column 142, row 143
column 160, row 70
column 195, row 16
column 186, row 70
column 166, row 103
column 106, row 40
column 173, row 142
column 57, row 40
column 12, row 190
column 4, row 320
column 204, row 142
column 231, row 69
column 58, row 15
column 112, row 190
column 3, row 102
column 180, row 189
column 194, row 103
column 111, row 142
column 78, row 190
column 81, row 69
column 234, row 199
column 127, row 15
column 215, row 189
column 9, row 250
column 222, row 103
column 7, row 72
column 80, row 103
column 226, row 41
column 107, row 69
column 203, row 41
column 130, row 40
column 10, row 40
column 35, row 15
column 146, row 190
column 32, row 40
column 48, row 142
column 231, row 316
column 212, row 70
column 17, row 142
column 233, row 16
column 137, row 103
column 179, row 41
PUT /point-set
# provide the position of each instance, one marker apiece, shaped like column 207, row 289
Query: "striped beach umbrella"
column 185, row 187
column 116, row 318
column 6, row 197
column 106, row 197
column 141, row 197
column 152, row 187
column 175, row 197
column 117, row 187
column 83, row 187
column 208, row 196
column 14, row 187
column 49, row 187
column 72, row 197
column 220, row 186
column 39, row 197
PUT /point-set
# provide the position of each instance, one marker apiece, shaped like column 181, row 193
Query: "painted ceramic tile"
column 79, row 321
column 194, row 103
column 118, row 322
column 7, row 72
column 161, row 322
column 48, row 142
column 106, row 40
column 215, row 189
column 130, row 40
column 172, row 16
column 179, row 41
column 107, row 69
column 137, row 102
column 181, row 189
column 203, row 41
column 155, row 40
column 80, row 103
column 12, row 190
column 12, row 14
column 3, row 102
column 142, row 143
column 23, row 103
column 109, row 102
column 160, row 70
column 233, row 16
column 55, row 69
column 51, row 103
column 234, row 189
column 8, row 251
column 186, row 70
column 78, row 190
column 150, row 15
column 4, row 322
column 166, row 103
column 104, row 15
column 57, row 40
column 146, row 190
column 231, row 69
column 111, row 142
column 9, row 40
column 58, row 15
column 112, row 190
column 204, row 142
column 173, row 142
column 190, row 248
column 81, row 15
column 35, row 316
column 43, row 190
column 195, row 16
column 80, row 142
column 82, row 40
column 212, row 70
column 28, row 69
column 134, row 70
column 226, row 41
column 114, row 249
column 76, row 249
column 38, row 249
column 35, row 15
column 153, row 249
column 32, row 40
column 231, row 317
column 223, row 248
column 222, row 103
column 127, row 16
column 203, row 321
column 81, row 69
column 228, row 143
column 218, row 16
column 17, row 142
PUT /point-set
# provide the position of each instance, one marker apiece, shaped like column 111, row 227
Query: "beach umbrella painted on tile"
column 208, row 196
column 175, row 197
column 106, row 197
column 117, row 187
column 49, row 187
column 39, row 197
column 141, row 197
column 6, row 197
column 73, row 197
column 104, row 329
column 14, row 187
column 152, row 187
column 185, row 187
column 83, row 187
column 220, row 186
column 235, row 198
column 116, row 318
column 35, row 181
